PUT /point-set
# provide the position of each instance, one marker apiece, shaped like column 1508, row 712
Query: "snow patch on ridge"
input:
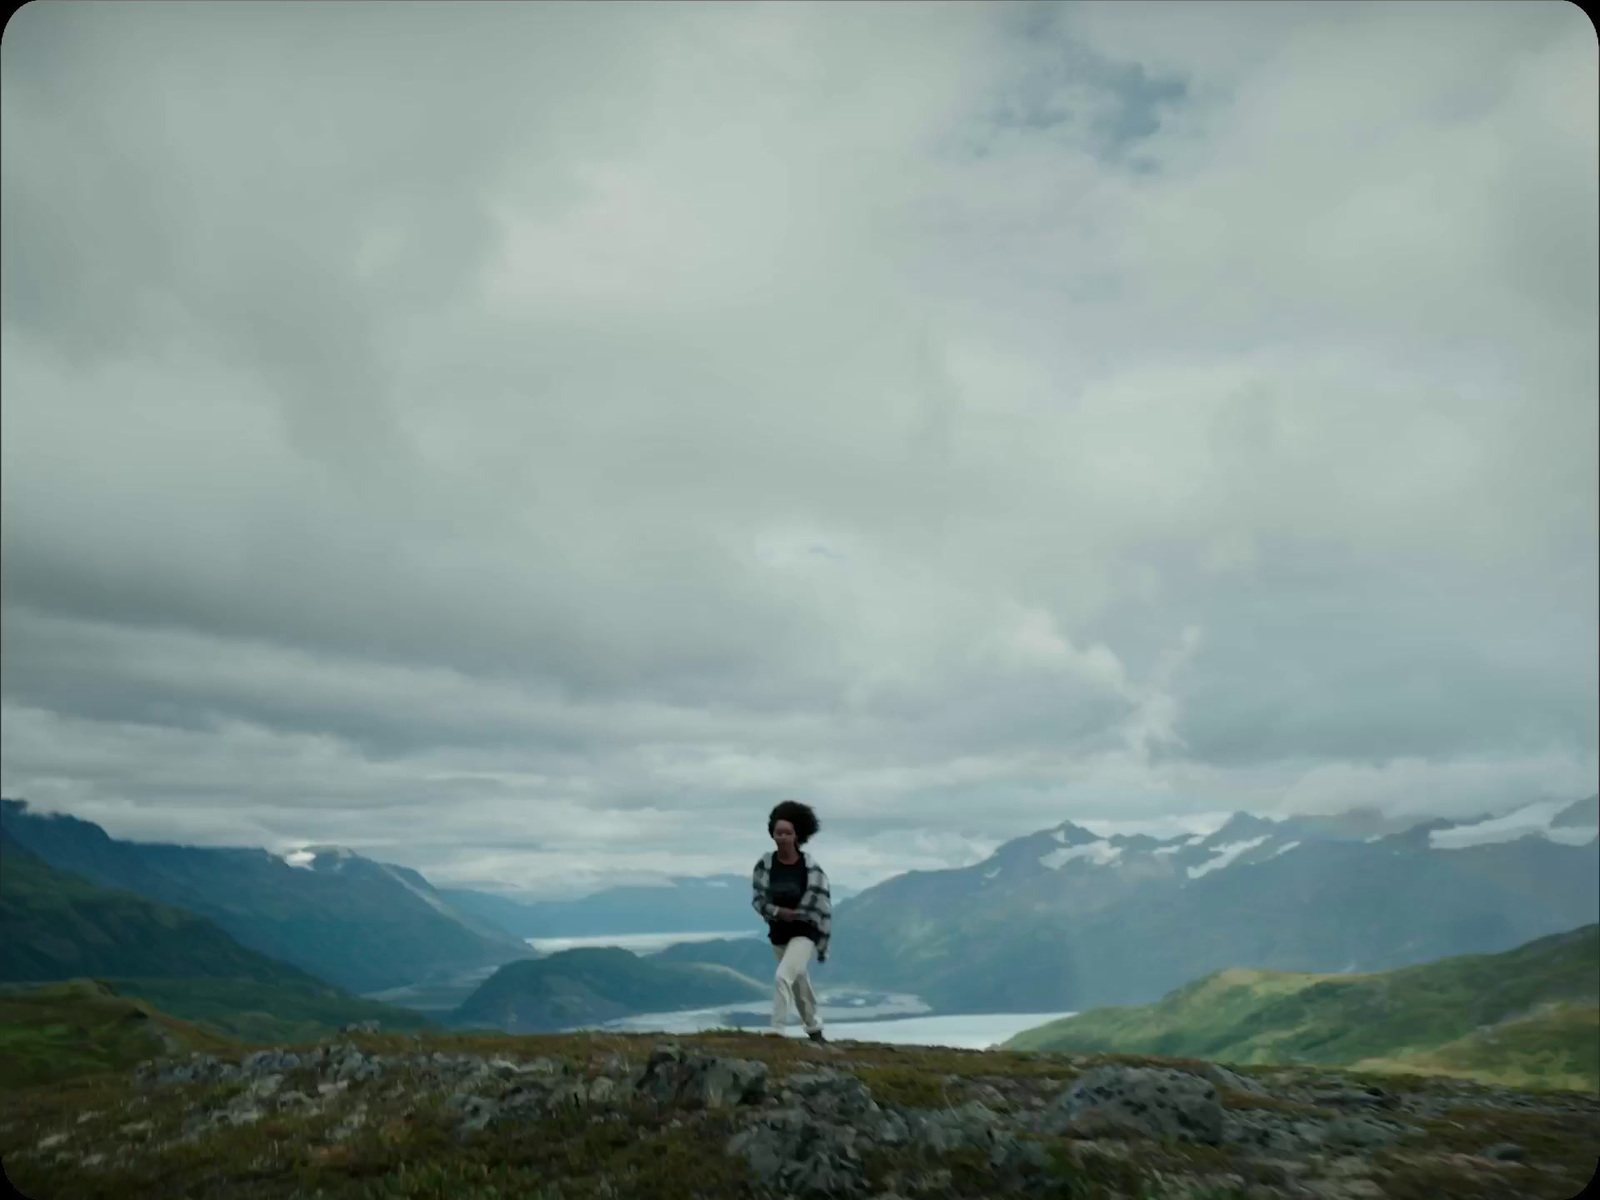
column 1530, row 819
column 427, row 898
column 1225, row 855
column 1101, row 853
column 1283, row 849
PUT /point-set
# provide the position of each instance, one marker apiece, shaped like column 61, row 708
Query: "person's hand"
column 786, row 914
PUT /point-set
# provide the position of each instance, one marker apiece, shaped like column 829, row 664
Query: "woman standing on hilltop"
column 791, row 896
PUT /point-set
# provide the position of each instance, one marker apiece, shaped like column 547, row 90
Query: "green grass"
column 408, row 1148
column 1529, row 1017
column 1555, row 1048
column 255, row 1012
column 82, row 1029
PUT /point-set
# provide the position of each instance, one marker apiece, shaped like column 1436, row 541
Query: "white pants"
column 792, row 986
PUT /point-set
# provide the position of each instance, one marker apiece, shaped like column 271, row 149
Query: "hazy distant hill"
column 689, row 904
column 749, row 956
column 593, row 985
column 361, row 924
column 1529, row 1017
column 1582, row 814
column 58, row 926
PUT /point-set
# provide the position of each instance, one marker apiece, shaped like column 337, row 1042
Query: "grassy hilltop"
column 1529, row 1017
column 103, row 1136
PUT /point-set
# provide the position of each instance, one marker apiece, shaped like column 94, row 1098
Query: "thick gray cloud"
column 526, row 441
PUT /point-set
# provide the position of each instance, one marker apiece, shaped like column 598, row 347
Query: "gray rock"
column 1270, row 1134
column 1153, row 1102
column 1363, row 1132
column 892, row 1130
column 1232, row 1081
column 527, row 1098
column 990, row 1097
column 265, row 1086
column 795, row 1154
column 1506, row 1152
column 616, row 1066
column 693, row 1081
column 1349, row 1097
column 242, row 1115
column 831, row 1095
column 567, row 1094
column 476, row 1111
column 545, row 1066
column 353, row 1122
column 501, row 1068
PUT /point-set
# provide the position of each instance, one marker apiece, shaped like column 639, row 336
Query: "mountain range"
column 1066, row 919
column 360, row 924
column 1058, row 919
column 59, row 927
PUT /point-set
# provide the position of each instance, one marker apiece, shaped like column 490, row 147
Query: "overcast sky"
column 525, row 442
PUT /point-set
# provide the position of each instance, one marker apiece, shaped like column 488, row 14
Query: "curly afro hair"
column 800, row 816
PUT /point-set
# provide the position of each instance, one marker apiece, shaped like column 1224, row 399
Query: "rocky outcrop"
column 1151, row 1102
column 822, row 1134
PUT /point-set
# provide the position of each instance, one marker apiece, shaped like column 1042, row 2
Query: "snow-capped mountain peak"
column 1068, row 834
column 320, row 858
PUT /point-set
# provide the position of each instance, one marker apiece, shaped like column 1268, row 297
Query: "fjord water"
column 962, row 1031
column 847, row 1012
column 639, row 943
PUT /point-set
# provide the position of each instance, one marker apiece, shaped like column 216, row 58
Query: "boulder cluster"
column 812, row 1134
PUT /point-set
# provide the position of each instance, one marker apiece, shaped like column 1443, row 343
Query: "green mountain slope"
column 57, row 926
column 1529, row 1014
column 748, row 956
column 67, row 1030
column 592, row 985
column 1558, row 1046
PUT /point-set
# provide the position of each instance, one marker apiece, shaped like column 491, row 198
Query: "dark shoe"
column 816, row 1036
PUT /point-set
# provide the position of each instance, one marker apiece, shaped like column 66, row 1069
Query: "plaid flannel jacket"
column 815, row 906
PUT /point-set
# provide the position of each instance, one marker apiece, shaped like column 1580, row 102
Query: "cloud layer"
column 528, row 441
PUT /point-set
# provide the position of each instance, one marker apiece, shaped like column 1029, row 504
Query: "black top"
column 784, row 888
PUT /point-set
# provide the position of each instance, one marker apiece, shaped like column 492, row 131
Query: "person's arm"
column 764, row 907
